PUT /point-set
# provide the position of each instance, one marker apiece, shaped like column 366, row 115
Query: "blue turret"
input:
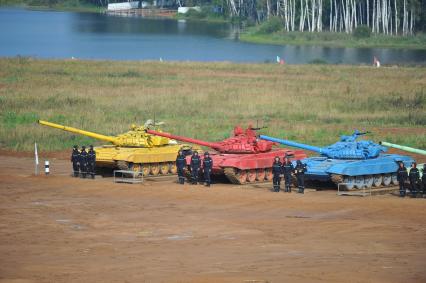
column 350, row 162
column 347, row 148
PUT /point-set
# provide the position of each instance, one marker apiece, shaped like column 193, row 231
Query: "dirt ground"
column 62, row 229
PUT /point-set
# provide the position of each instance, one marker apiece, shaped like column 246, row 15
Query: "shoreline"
column 334, row 40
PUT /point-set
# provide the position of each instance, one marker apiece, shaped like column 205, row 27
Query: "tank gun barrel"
column 293, row 144
column 402, row 147
column 184, row 139
column 78, row 131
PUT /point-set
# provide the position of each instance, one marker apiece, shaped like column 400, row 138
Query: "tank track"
column 338, row 179
column 232, row 177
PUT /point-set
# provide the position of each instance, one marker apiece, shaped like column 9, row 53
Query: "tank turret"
column 347, row 148
column 242, row 141
column 136, row 137
column 402, row 147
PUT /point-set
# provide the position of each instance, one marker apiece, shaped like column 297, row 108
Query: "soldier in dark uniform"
column 195, row 167
column 91, row 161
column 181, row 165
column 300, row 170
column 75, row 161
column 207, row 167
column 424, row 180
column 288, row 168
column 83, row 161
column 414, row 177
column 402, row 176
column 276, row 172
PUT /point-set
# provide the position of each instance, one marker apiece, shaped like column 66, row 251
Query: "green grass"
column 330, row 39
column 308, row 103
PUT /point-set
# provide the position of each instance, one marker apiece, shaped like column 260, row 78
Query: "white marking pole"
column 36, row 159
column 46, row 167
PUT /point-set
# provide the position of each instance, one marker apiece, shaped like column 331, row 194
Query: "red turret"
column 241, row 142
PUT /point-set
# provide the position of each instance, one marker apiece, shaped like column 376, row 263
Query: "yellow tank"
column 134, row 150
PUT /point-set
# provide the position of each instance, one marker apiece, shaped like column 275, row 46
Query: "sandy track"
column 61, row 229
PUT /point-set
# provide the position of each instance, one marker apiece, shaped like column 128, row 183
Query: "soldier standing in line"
column 288, row 168
column 181, row 165
column 300, row 170
column 195, row 167
column 414, row 177
column 207, row 167
column 402, row 176
column 91, row 161
column 276, row 172
column 83, row 162
column 75, row 155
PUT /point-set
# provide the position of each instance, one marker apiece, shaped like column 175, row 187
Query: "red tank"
column 243, row 157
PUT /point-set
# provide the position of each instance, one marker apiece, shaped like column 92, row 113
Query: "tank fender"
column 369, row 167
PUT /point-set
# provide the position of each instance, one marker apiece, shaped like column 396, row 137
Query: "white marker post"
column 46, row 167
column 36, row 159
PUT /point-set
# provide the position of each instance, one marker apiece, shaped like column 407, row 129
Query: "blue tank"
column 350, row 162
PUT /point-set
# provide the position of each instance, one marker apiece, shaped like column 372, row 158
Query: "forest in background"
column 389, row 17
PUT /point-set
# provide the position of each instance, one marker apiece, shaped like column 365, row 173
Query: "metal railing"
column 123, row 176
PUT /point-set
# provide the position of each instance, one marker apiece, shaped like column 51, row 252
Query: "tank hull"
column 356, row 173
column 150, row 161
column 248, row 168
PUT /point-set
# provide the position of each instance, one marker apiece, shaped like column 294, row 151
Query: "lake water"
column 50, row 34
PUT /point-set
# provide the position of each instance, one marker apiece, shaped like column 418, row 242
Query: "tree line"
column 390, row 17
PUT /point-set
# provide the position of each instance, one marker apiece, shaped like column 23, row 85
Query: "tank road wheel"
column 155, row 169
column 164, row 168
column 173, row 168
column 394, row 178
column 251, row 175
column 377, row 180
column 136, row 167
column 268, row 174
column 349, row 182
column 260, row 175
column 387, row 179
column 241, row 176
column 368, row 181
column 145, row 170
column 359, row 182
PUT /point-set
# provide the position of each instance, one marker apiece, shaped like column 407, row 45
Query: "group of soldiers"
column 83, row 162
column 195, row 166
column 287, row 169
column 417, row 185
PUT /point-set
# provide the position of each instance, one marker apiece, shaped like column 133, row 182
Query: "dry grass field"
column 308, row 103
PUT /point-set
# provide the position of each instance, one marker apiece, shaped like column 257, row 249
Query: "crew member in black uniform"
column 195, row 167
column 402, row 176
column 83, row 161
column 424, row 180
column 288, row 168
column 300, row 170
column 181, row 165
column 276, row 172
column 91, row 161
column 207, row 167
column 75, row 155
column 414, row 177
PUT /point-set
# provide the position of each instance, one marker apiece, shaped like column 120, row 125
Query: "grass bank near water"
column 308, row 103
column 332, row 39
column 66, row 5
